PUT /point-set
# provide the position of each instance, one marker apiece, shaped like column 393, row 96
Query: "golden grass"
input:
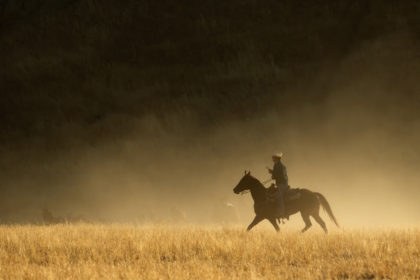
column 199, row 252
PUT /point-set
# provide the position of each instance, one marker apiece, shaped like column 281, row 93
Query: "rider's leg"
column 282, row 190
column 281, row 205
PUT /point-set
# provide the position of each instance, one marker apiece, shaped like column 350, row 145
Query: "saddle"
column 292, row 194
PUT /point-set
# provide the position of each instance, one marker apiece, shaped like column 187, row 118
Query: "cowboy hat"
column 278, row 155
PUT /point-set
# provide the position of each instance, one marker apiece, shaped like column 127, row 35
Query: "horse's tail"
column 327, row 207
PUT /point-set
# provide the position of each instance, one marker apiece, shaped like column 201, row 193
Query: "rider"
column 279, row 174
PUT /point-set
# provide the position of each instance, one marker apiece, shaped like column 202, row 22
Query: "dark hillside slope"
column 81, row 61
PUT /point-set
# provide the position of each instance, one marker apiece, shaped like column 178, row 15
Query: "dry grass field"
column 204, row 252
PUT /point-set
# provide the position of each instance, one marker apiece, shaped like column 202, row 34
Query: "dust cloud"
column 359, row 146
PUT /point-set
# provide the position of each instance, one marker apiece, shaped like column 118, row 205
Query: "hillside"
column 82, row 62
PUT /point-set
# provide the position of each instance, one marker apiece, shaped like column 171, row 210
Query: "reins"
column 267, row 181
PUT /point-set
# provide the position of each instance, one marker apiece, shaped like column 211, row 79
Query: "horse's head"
column 245, row 183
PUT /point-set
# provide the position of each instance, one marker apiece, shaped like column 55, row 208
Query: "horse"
column 296, row 200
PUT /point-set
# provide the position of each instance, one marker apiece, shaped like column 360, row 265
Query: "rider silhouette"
column 279, row 174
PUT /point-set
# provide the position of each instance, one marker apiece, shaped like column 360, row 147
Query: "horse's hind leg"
column 256, row 220
column 320, row 222
column 274, row 223
column 307, row 221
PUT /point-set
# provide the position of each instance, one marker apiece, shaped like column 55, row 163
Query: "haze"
column 349, row 128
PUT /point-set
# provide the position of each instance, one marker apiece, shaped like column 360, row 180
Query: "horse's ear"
column 249, row 172
column 245, row 172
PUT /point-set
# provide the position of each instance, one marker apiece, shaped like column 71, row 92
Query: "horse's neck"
column 258, row 191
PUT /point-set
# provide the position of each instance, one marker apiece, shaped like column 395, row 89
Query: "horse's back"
column 300, row 198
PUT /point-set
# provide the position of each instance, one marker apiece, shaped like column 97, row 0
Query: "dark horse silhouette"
column 303, row 200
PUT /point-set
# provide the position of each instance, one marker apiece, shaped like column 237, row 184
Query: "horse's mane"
column 257, row 182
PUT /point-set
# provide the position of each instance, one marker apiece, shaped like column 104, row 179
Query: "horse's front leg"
column 274, row 223
column 256, row 220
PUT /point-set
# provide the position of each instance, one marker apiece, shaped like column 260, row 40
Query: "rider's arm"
column 275, row 172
